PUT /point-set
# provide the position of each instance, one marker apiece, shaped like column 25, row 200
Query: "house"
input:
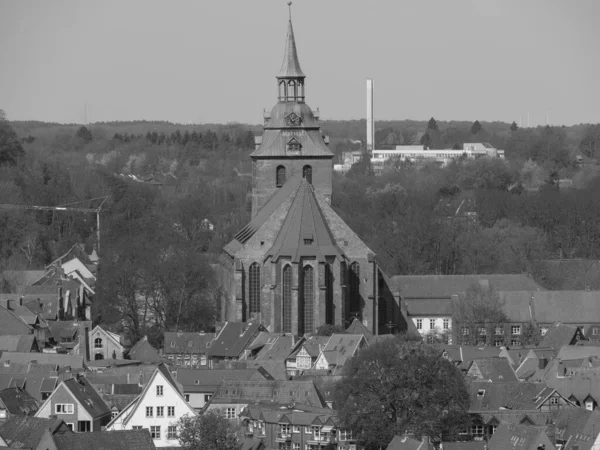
column 113, row 440
column 28, row 432
column 232, row 340
column 305, row 354
column 520, row 437
column 158, row 408
column 24, row 343
column 102, row 344
column 200, row 385
column 65, row 334
column 233, row 396
column 559, row 334
column 295, row 427
column 577, row 429
column 582, row 388
column 16, row 402
column 187, row 349
column 339, row 349
column 38, row 380
column 78, row 404
column 493, row 370
column 17, row 321
column 143, row 351
column 277, row 347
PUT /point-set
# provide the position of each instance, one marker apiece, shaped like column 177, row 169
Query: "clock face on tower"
column 293, row 120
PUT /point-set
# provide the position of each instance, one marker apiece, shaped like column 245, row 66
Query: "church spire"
column 290, row 78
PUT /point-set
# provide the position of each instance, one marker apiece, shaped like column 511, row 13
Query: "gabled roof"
column 290, row 67
column 83, row 392
column 12, row 324
column 193, row 343
column 570, row 307
column 275, row 140
column 518, row 437
column 357, row 327
column 409, row 443
column 313, row 345
column 573, row 352
column 18, row 402
column 233, row 338
column 492, row 370
column 143, row 351
column 61, row 360
column 578, row 426
column 27, row 431
column 558, row 335
column 278, row 348
column 486, row 397
column 428, row 307
column 202, row 380
column 114, row 440
column 76, row 251
column 444, row 286
column 23, row 277
column 282, row 392
column 341, row 347
column 22, row 343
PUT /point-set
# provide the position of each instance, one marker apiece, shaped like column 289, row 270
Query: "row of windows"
column 160, row 411
column 280, row 174
column 445, row 324
column 155, row 431
column 498, row 331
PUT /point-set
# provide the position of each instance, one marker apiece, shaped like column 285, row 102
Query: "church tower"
column 292, row 143
column 297, row 265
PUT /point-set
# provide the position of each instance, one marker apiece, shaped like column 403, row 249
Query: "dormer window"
column 294, row 146
column 293, row 120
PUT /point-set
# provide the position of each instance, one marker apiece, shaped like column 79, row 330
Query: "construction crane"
column 66, row 207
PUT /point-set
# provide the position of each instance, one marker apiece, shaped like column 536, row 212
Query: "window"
column 159, row 391
column 155, row 432
column 172, row 432
column 345, row 435
column 480, row 392
column 70, row 426
column 482, row 331
column 446, row 324
column 172, row 344
column 544, row 330
column 170, row 411
column 554, row 401
column 230, row 413
column 296, row 429
column 207, row 397
column 295, row 445
column 64, row 408
column 160, row 411
column 294, row 146
column 285, row 429
column 136, row 427
column 114, row 414
column 329, row 310
column 280, row 176
column 189, row 343
column 465, row 331
column 419, row 324
column 97, row 343
column 287, row 299
column 307, row 173
column 187, row 397
column 596, row 331
column 202, row 360
column 254, row 288
column 515, row 342
column 355, row 289
column 149, row 411
column 477, row 430
column 316, row 431
column 498, row 343
column 515, row 329
column 307, row 304
column 84, row 426
column 432, row 324
column 499, row 331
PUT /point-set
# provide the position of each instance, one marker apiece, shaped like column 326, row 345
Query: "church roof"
column 290, row 68
column 274, row 144
column 304, row 231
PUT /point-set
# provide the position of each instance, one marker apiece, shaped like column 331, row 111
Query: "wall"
column 108, row 345
column 62, row 395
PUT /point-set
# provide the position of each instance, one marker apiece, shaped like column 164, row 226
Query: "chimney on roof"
column 543, row 362
column 84, row 344
column 21, row 300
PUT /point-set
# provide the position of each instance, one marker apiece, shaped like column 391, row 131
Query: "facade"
column 102, row 344
column 187, row 349
column 76, row 403
column 157, row 408
column 297, row 265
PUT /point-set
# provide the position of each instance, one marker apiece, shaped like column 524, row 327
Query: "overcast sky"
column 203, row 61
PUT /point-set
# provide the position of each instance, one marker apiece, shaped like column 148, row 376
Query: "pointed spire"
column 290, row 68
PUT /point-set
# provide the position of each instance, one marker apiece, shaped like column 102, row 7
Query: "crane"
column 66, row 207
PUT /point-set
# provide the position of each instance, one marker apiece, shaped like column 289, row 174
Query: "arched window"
column 286, row 310
column 280, row 176
column 97, row 343
column 282, row 90
column 329, row 318
column 291, row 91
column 98, row 356
column 355, row 290
column 307, row 173
column 254, row 288
column 307, row 303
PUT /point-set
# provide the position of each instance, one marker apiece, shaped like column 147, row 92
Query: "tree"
column 398, row 386
column 210, row 431
column 328, row 330
column 514, row 127
column 11, row 150
column 477, row 314
column 476, row 127
column 432, row 125
column 426, row 140
column 531, row 335
column 84, row 134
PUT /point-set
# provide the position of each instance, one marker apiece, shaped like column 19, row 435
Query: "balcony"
column 283, row 437
column 319, row 440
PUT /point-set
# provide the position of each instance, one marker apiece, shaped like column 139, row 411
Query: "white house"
column 102, row 344
column 158, row 408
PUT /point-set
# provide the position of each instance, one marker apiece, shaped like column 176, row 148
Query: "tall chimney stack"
column 84, row 344
column 370, row 120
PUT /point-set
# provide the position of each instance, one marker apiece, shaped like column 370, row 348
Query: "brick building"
column 297, row 265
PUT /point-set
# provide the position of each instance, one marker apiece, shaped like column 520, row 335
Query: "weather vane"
column 290, row 6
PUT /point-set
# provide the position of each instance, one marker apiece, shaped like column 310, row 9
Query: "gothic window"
column 307, row 305
column 307, row 173
column 254, row 288
column 329, row 319
column 287, row 299
column 355, row 289
column 280, row 176
column 98, row 343
column 282, row 90
column 294, row 146
column 293, row 120
column 292, row 92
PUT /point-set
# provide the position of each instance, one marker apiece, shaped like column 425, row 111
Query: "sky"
column 200, row 61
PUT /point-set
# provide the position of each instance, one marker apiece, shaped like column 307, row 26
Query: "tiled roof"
column 67, row 328
column 357, row 327
column 76, row 251
column 577, row 426
column 558, row 334
column 45, row 305
column 87, row 396
column 409, row 443
column 517, row 437
column 118, row 401
column 486, row 397
column 193, row 343
column 275, row 141
column 11, row 324
column 233, row 339
column 444, row 286
column 275, row 368
column 143, row 351
column 283, row 392
column 277, row 349
column 23, row 277
column 203, row 380
column 313, row 344
column 27, row 431
column 536, row 417
column 468, row 445
column 570, row 352
column 341, row 347
column 22, row 343
column 113, row 440
column 493, row 370
column 18, row 402
column 428, row 307
column 465, row 354
column 568, row 274
column 578, row 386
column 290, row 66
column 61, row 360
column 571, row 307
column 305, row 220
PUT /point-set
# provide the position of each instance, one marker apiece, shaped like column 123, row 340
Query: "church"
column 297, row 265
